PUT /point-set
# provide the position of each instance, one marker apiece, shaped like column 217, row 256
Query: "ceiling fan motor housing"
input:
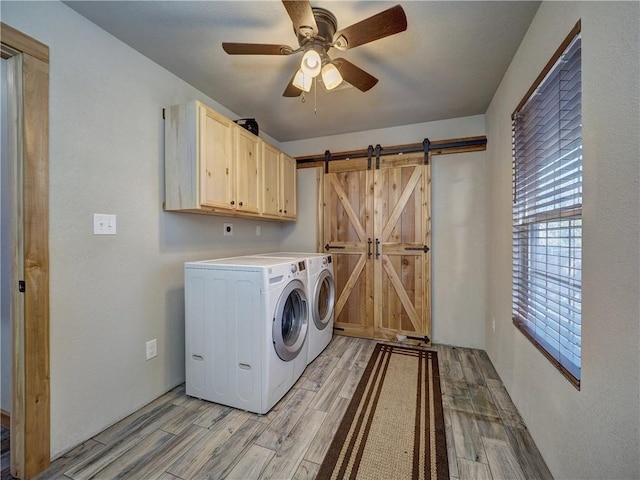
column 326, row 23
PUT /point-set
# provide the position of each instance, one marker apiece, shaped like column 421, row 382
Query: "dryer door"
column 324, row 299
column 290, row 321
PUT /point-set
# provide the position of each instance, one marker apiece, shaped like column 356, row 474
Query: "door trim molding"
column 30, row 410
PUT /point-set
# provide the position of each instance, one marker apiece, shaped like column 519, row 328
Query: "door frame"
column 30, row 382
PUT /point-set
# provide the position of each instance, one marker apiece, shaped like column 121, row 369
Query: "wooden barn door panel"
column 401, row 269
column 347, row 232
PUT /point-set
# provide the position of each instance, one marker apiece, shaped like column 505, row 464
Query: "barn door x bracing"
column 377, row 226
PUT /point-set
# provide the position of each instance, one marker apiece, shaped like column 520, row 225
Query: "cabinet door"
column 215, row 145
column 270, row 179
column 247, row 165
column 288, row 179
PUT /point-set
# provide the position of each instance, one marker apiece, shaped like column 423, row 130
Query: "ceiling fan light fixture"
column 331, row 76
column 302, row 81
column 311, row 63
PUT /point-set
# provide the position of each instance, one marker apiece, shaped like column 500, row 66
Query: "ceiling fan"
column 317, row 32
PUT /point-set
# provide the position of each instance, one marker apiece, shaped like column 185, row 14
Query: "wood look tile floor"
column 177, row 437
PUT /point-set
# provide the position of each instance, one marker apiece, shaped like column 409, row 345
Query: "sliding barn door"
column 348, row 226
column 377, row 226
column 402, row 238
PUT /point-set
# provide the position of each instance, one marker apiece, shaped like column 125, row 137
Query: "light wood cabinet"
column 270, row 180
column 216, row 162
column 288, row 178
column 213, row 166
column 279, row 183
column 246, row 171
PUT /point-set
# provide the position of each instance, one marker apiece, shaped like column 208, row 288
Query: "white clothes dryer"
column 246, row 327
column 322, row 296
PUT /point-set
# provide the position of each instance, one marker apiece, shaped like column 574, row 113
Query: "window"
column 547, row 210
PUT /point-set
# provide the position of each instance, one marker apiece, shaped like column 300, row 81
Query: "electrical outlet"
column 152, row 349
column 258, row 230
column 493, row 324
column 104, row 224
column 228, row 229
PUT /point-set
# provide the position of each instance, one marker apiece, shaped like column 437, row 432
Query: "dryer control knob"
column 294, row 269
column 324, row 260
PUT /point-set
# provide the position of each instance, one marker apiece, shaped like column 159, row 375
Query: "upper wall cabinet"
column 270, row 180
column 287, row 192
column 279, row 183
column 246, row 170
column 213, row 166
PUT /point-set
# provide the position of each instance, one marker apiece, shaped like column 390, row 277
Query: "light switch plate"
column 104, row 224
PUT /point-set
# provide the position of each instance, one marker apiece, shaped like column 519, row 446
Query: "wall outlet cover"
column 227, row 229
column 152, row 349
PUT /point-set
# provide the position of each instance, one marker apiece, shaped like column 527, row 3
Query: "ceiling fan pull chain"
column 315, row 96
column 304, row 98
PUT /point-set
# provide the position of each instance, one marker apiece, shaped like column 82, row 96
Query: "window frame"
column 560, row 214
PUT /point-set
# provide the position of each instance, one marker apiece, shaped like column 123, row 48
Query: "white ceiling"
column 447, row 64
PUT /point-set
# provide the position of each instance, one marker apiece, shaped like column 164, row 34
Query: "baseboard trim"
column 5, row 419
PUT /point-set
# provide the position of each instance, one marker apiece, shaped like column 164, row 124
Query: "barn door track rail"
column 371, row 153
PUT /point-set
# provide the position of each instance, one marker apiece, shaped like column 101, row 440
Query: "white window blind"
column 547, row 210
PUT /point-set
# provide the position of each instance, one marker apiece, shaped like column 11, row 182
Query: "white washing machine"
column 322, row 296
column 246, row 328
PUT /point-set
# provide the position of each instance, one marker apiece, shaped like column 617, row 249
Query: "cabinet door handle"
column 377, row 248
column 232, row 202
column 369, row 242
column 328, row 247
column 240, row 203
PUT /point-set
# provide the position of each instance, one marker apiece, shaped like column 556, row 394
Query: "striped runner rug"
column 394, row 425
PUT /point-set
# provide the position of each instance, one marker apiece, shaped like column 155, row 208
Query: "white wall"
column 594, row 432
column 110, row 294
column 415, row 133
column 458, row 219
column 458, row 223
column 301, row 236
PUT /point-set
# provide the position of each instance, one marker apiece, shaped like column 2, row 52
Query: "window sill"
column 554, row 361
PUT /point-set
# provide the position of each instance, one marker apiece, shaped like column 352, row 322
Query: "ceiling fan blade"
column 292, row 91
column 304, row 23
column 388, row 22
column 355, row 75
column 256, row 49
